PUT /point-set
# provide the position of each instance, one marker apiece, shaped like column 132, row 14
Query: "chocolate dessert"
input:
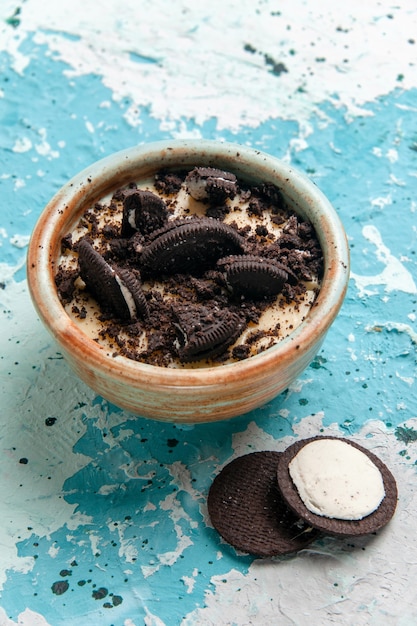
column 190, row 269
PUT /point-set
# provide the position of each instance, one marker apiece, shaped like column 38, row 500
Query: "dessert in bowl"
column 227, row 265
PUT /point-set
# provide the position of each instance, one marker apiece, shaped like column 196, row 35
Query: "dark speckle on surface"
column 117, row 600
column 14, row 20
column 406, row 434
column 275, row 67
column 100, row 593
column 318, row 362
column 60, row 587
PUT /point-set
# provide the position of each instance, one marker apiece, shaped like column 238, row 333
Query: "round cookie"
column 246, row 508
column 334, row 526
column 143, row 211
column 190, row 246
column 255, row 276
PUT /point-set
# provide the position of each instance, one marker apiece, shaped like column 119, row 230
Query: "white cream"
column 131, row 218
column 336, row 480
column 127, row 296
column 197, row 189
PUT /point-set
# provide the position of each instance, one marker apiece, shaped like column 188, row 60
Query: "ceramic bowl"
column 187, row 395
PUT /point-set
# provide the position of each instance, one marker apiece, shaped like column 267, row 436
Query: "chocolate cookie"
column 255, row 276
column 190, row 246
column 209, row 183
column 143, row 211
column 205, row 332
column 117, row 291
column 247, row 509
column 333, row 526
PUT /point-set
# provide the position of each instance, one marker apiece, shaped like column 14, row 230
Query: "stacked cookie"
column 272, row 503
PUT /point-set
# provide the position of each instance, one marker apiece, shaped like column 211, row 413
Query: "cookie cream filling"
column 336, row 480
column 131, row 218
column 130, row 302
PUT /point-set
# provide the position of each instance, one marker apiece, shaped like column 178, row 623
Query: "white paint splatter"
column 306, row 53
column 353, row 354
column 19, row 184
column 152, row 620
column 26, row 618
column 20, row 241
column 392, row 155
column 23, row 144
column 399, row 327
column 189, row 581
column 53, row 551
column 393, row 180
column 94, row 542
column 394, row 277
column 128, row 549
column 105, row 490
column 43, row 148
column 252, row 439
column 182, row 479
column 382, row 201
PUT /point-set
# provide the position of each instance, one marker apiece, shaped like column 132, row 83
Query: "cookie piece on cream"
column 117, row 290
column 209, row 183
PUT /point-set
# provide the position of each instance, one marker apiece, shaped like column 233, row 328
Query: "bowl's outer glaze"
column 186, row 395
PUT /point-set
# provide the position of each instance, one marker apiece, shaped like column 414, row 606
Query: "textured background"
column 103, row 515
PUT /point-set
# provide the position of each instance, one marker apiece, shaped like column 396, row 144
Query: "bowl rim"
column 94, row 182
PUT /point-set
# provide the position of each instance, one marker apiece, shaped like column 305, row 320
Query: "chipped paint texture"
column 162, row 58
column 104, row 514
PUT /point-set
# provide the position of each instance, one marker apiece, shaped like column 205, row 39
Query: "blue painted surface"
column 340, row 159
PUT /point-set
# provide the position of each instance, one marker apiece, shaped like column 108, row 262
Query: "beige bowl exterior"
column 186, row 395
